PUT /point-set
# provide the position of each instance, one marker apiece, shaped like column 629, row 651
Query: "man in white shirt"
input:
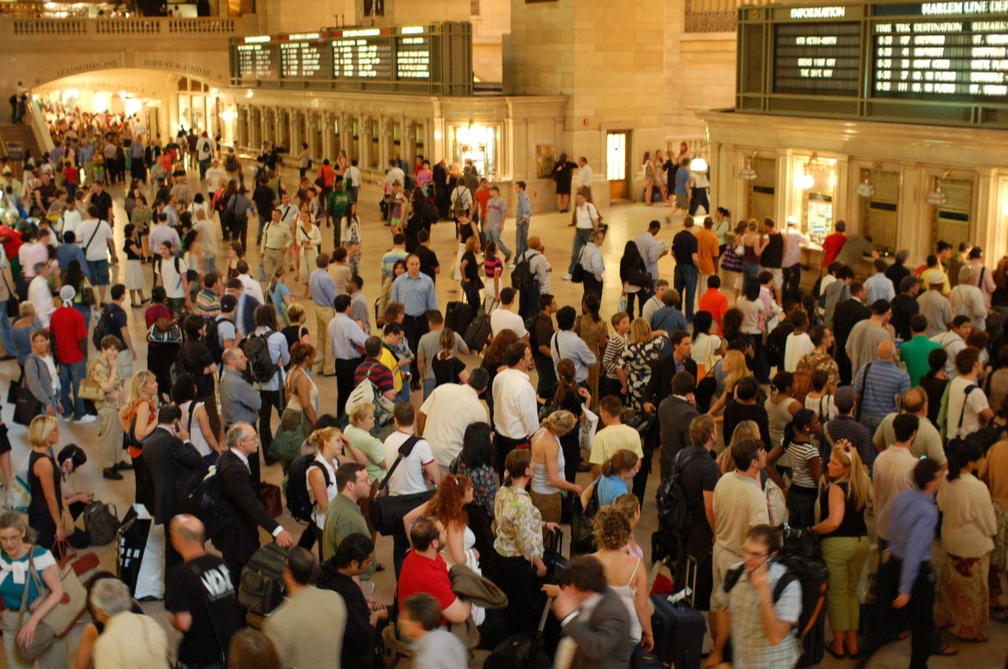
column 656, row 301
column 584, row 178
column 39, row 293
column 798, row 343
column 393, row 175
column 566, row 345
column 252, row 287
column 515, row 410
column 170, row 272
column 352, row 180
column 954, row 341
column 502, row 318
column 161, row 232
column 968, row 409
column 32, row 252
column 214, row 176
column 892, row 472
column 586, row 220
column 208, row 232
column 448, row 411
column 651, row 251
column 794, row 240
column 95, row 237
column 204, row 152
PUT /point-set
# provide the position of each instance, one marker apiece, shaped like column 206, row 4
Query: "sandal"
column 979, row 638
column 830, row 647
column 946, row 651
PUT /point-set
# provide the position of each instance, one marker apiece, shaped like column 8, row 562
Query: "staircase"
column 15, row 140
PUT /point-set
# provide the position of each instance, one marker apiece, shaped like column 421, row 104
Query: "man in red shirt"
column 424, row 570
column 833, row 244
column 482, row 196
column 713, row 301
column 68, row 329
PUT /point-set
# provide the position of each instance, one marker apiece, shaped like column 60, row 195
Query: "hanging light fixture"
column 937, row 197
column 698, row 165
column 747, row 173
column 805, row 180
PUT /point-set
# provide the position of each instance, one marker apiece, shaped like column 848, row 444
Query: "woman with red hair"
column 448, row 506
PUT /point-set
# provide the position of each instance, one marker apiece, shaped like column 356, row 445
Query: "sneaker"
column 566, row 277
column 123, row 466
column 86, row 418
column 111, row 474
column 511, row 266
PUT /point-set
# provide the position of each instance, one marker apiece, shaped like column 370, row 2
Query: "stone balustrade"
column 21, row 28
column 716, row 16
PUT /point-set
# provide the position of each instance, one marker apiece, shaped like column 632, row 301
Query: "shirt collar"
column 241, row 456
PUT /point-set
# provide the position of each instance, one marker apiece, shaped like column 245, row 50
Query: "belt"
column 276, row 249
column 417, row 316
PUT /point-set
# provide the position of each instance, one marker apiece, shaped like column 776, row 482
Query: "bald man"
column 928, row 442
column 878, row 383
column 199, row 597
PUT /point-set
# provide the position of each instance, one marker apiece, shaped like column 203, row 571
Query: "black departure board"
column 304, row 59
column 257, row 61
column 818, row 58
column 435, row 58
column 924, row 62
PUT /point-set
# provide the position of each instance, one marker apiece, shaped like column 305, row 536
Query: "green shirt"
column 337, row 204
column 369, row 446
column 343, row 518
column 914, row 354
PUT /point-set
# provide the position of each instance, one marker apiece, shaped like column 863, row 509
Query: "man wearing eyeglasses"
column 344, row 516
column 739, row 504
column 241, row 539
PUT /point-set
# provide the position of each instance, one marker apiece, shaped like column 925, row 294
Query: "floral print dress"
column 637, row 359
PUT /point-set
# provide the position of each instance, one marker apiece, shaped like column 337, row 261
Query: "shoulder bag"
column 28, row 406
column 387, row 511
column 291, row 432
column 44, row 636
column 91, row 389
column 577, row 274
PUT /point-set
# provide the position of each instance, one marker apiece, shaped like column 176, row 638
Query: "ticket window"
column 353, row 130
column 396, row 141
column 374, row 145
column 815, row 182
column 953, row 221
column 763, row 189
column 880, row 210
column 478, row 144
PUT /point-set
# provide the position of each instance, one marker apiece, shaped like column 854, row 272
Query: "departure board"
column 435, row 58
column 924, row 62
column 303, row 59
column 257, row 61
column 818, row 58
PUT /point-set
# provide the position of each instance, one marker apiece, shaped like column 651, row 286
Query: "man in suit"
column 170, row 463
column 662, row 372
column 593, row 616
column 242, row 538
column 675, row 414
column 849, row 313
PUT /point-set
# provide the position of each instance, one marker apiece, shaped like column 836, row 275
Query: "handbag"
column 87, row 296
column 44, row 637
column 27, row 405
column 156, row 335
column 90, row 389
column 71, row 607
column 577, row 274
column 731, row 261
column 101, row 522
column 289, row 435
column 387, row 511
column 19, row 496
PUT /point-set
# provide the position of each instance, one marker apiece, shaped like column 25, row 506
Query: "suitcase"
column 522, row 651
column 678, row 628
column 458, row 316
column 141, row 553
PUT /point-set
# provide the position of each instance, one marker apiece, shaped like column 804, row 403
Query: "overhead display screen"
column 435, row 58
column 930, row 62
column 817, row 58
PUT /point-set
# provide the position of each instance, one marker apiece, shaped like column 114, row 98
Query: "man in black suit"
column 675, row 414
column 847, row 314
column 663, row 371
column 169, row 464
column 242, row 538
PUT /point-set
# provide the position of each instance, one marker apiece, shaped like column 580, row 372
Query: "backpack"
column 175, row 262
column 231, row 163
column 212, row 337
column 296, row 486
column 204, row 498
column 813, row 577
column 103, row 328
column 261, row 588
column 459, row 207
column 776, row 342
column 802, row 384
column 256, row 349
column 674, row 515
column 522, row 278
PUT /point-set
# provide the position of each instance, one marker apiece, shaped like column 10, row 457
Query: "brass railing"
column 715, row 16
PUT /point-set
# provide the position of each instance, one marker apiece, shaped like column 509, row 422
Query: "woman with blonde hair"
column 359, row 433
column 548, row 465
column 138, row 418
column 446, row 366
column 469, row 273
column 745, row 431
column 45, row 512
column 320, row 477
column 629, row 506
column 844, row 495
column 733, row 365
column 18, row 550
column 635, row 363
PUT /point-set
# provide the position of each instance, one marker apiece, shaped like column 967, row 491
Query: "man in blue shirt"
column 684, row 248
column 346, row 339
column 69, row 250
column 906, row 583
column 523, row 217
column 323, row 292
column 669, row 319
column 416, row 292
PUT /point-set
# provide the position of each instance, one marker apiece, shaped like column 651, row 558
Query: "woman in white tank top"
column 548, row 465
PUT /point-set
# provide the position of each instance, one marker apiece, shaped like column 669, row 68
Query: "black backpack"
column 212, row 338
column 205, row 499
column 674, row 515
column 231, row 163
column 776, row 341
column 256, row 349
column 261, row 588
column 296, row 486
column 522, row 278
column 102, row 328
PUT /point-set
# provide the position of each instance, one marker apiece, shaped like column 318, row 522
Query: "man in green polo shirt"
column 344, row 516
column 336, row 205
column 914, row 353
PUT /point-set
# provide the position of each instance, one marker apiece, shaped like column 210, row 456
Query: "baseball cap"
column 228, row 303
column 933, row 277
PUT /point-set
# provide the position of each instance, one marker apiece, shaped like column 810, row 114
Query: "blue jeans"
column 581, row 238
column 685, row 279
column 72, row 374
column 6, row 336
column 495, row 235
column 428, row 387
column 404, row 393
column 750, row 270
column 521, row 239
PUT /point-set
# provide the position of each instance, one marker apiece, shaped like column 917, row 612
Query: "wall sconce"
column 747, row 173
column 937, row 197
column 805, row 180
column 865, row 189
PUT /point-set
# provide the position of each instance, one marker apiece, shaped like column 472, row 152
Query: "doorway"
column 618, row 164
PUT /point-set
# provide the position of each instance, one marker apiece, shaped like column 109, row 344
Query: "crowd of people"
column 859, row 400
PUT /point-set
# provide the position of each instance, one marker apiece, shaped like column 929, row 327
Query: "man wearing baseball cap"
column 933, row 304
column 70, row 332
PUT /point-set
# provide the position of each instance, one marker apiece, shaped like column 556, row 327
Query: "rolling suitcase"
column 140, row 555
column 458, row 316
column 522, row 651
column 678, row 628
column 478, row 333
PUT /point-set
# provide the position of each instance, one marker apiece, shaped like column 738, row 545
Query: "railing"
column 211, row 27
column 715, row 16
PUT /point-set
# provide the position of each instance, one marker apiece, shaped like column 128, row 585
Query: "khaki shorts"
column 682, row 201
